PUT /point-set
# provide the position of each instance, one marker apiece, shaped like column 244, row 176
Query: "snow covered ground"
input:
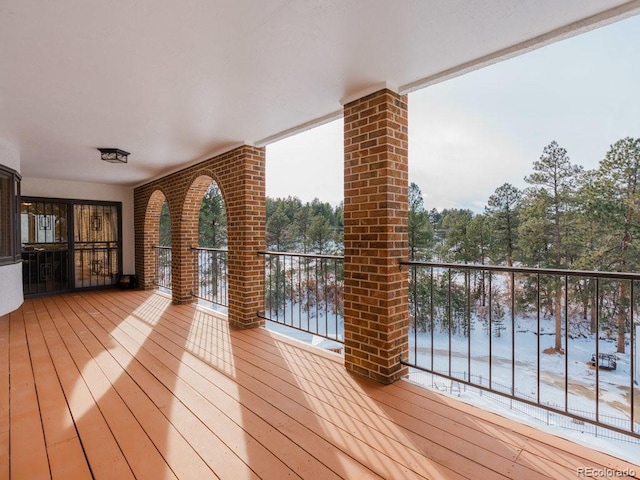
column 565, row 380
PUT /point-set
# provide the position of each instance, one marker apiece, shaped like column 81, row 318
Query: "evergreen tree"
column 419, row 226
column 278, row 229
column 212, row 225
column 450, row 303
column 554, row 185
column 456, row 246
column 589, row 231
column 164, row 239
column 291, row 205
column 275, row 286
column 502, row 211
column 321, row 234
column 479, row 241
column 338, row 225
column 615, row 203
column 338, row 217
column 302, row 223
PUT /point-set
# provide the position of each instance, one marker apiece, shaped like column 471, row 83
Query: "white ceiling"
column 174, row 82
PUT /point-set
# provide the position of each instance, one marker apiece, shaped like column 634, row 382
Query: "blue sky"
column 469, row 135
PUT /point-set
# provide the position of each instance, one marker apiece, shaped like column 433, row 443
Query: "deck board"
column 242, row 411
column 266, row 387
column 66, row 457
column 28, row 453
column 339, row 424
column 111, row 384
column 180, row 458
column 105, row 458
column 223, row 455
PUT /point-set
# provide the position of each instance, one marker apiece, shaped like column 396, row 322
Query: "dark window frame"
column 12, row 253
column 71, row 203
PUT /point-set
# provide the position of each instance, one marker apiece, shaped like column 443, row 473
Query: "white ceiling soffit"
column 177, row 82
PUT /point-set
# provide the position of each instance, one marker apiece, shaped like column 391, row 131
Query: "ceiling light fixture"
column 113, row 155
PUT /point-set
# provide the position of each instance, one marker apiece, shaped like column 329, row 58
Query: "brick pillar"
column 147, row 208
column 246, row 212
column 184, row 236
column 376, row 308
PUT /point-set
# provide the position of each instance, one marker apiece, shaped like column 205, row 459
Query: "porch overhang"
column 177, row 83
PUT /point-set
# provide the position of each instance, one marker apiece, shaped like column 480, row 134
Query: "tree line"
column 291, row 225
column 567, row 217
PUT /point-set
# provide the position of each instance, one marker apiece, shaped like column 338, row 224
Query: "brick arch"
column 192, row 203
column 183, row 265
column 150, row 237
column 240, row 175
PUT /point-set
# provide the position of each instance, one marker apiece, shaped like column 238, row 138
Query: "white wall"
column 10, row 287
column 38, row 187
column 10, row 275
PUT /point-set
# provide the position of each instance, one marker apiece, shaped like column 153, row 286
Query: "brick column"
column 184, row 236
column 147, row 208
column 376, row 308
column 246, row 212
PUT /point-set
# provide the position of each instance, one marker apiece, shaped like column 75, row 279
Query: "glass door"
column 45, row 246
column 69, row 244
column 95, row 245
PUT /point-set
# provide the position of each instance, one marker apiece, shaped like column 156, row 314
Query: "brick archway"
column 148, row 237
column 184, row 270
column 240, row 175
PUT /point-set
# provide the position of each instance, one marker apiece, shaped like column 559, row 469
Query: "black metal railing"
column 45, row 268
column 305, row 292
column 211, row 271
column 561, row 340
column 95, row 264
column 162, row 276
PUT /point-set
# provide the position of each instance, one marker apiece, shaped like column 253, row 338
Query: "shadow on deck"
column 120, row 385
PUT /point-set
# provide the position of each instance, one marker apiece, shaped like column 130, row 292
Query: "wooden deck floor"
column 125, row 385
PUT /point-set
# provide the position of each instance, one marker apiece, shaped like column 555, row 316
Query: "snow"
column 517, row 375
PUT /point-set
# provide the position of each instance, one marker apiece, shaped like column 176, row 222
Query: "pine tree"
column 479, row 242
column 278, row 229
column 212, row 225
column 302, row 222
column 615, row 203
column 554, row 185
column 502, row 211
column 419, row 226
column 165, row 226
column 456, row 246
column 321, row 234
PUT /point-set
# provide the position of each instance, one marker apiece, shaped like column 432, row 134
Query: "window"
column 9, row 191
